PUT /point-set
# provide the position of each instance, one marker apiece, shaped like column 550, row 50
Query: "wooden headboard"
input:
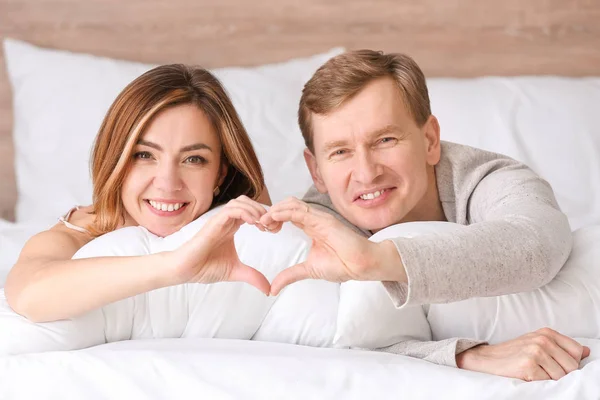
column 460, row 38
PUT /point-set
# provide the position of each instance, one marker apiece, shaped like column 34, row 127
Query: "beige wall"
column 448, row 38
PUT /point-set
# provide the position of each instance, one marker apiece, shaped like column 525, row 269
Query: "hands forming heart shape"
column 337, row 254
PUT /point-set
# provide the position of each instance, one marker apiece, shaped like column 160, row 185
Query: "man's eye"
column 339, row 152
column 387, row 139
column 142, row 155
column 195, row 160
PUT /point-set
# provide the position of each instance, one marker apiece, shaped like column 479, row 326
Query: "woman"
column 170, row 148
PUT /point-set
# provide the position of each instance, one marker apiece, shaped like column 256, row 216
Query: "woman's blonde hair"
column 131, row 112
column 344, row 76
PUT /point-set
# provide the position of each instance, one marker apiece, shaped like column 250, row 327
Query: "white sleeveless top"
column 65, row 220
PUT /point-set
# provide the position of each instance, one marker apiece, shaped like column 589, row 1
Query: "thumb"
column 586, row 352
column 288, row 276
column 244, row 273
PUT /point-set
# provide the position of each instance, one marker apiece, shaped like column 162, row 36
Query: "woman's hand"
column 337, row 254
column 210, row 256
column 540, row 355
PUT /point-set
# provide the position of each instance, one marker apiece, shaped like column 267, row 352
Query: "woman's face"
column 175, row 168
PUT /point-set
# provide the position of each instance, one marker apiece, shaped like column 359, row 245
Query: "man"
column 376, row 159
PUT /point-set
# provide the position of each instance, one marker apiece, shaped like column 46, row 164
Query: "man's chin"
column 373, row 224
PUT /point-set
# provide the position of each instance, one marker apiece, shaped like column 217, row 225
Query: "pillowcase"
column 570, row 303
column 60, row 99
column 367, row 317
column 536, row 120
column 304, row 313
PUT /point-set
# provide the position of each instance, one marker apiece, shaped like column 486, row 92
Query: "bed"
column 520, row 79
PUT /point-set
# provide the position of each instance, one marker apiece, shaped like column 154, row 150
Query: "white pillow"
column 367, row 317
column 60, row 99
column 304, row 313
column 569, row 304
column 536, row 120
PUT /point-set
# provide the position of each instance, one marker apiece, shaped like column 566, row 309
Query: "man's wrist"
column 388, row 264
column 468, row 358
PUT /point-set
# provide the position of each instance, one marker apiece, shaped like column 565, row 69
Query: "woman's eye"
column 195, row 160
column 142, row 155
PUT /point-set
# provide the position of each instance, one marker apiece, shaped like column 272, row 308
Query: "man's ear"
column 431, row 133
column 311, row 163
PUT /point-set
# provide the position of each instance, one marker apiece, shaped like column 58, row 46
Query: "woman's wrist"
column 162, row 271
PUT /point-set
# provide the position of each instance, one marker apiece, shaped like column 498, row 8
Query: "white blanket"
column 232, row 369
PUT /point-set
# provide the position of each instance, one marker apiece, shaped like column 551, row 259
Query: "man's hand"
column 540, row 355
column 337, row 254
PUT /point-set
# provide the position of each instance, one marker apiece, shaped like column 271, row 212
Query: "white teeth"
column 371, row 196
column 165, row 207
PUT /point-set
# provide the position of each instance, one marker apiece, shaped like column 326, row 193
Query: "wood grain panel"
column 461, row 38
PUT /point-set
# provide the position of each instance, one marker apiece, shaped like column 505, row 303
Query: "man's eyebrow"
column 381, row 131
column 192, row 147
column 333, row 145
column 386, row 129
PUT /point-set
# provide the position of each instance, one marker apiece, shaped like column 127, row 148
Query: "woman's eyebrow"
column 191, row 147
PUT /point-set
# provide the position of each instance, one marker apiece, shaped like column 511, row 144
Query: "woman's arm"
column 47, row 285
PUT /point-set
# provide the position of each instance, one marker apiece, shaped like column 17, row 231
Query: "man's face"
column 372, row 158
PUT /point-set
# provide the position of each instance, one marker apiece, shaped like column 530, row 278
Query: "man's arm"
column 517, row 240
column 339, row 254
column 442, row 352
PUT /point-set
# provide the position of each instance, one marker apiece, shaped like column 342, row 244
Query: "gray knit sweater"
column 515, row 239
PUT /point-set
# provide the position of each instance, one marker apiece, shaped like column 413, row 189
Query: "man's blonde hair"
column 344, row 76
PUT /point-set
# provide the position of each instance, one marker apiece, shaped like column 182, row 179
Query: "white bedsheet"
column 232, row 369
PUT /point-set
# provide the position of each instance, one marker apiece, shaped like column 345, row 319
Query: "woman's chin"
column 163, row 231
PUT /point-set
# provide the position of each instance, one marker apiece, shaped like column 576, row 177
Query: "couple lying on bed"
column 172, row 147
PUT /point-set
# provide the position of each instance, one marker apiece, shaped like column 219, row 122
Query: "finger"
column 270, row 224
column 538, row 374
column 567, row 362
column 288, row 276
column 291, row 203
column 244, row 273
column 255, row 212
column 586, row 352
column 260, row 209
column 297, row 216
column 556, row 362
column 241, row 211
column 574, row 348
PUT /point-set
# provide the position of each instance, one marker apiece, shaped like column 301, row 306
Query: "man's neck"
column 430, row 206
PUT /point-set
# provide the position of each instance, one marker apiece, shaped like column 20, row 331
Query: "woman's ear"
column 222, row 173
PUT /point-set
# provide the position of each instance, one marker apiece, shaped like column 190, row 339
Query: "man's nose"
column 366, row 167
